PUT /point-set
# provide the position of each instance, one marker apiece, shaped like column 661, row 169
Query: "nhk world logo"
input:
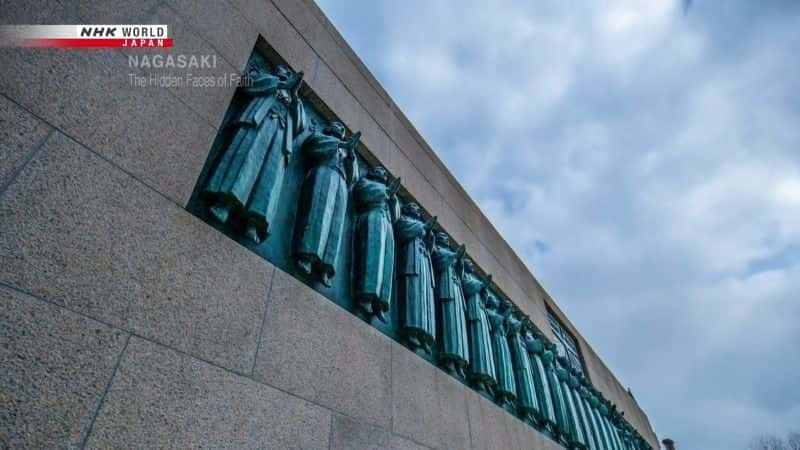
column 85, row 36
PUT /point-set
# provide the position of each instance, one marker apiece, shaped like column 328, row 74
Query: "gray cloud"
column 645, row 163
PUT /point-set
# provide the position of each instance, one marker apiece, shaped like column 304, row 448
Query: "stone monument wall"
column 129, row 321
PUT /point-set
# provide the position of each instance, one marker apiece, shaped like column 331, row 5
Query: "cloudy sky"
column 645, row 162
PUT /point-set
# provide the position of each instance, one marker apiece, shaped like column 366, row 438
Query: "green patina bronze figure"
column 499, row 314
column 535, row 348
column 415, row 278
column 527, row 403
column 603, row 409
column 577, row 383
column 594, row 402
column 613, row 427
column 578, row 440
column 323, row 200
column 564, row 429
column 482, row 371
column 583, row 414
column 376, row 205
column 452, row 336
column 247, row 180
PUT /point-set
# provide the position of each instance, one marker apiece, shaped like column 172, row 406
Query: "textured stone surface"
column 524, row 436
column 221, row 25
column 88, row 95
column 348, row 434
column 320, row 352
column 79, row 232
column 20, row 134
column 488, row 424
column 428, row 405
column 164, row 399
column 33, row 12
column 211, row 102
column 55, row 365
column 279, row 34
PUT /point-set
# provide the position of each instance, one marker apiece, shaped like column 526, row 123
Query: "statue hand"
column 393, row 187
column 298, row 78
column 430, row 223
column 352, row 143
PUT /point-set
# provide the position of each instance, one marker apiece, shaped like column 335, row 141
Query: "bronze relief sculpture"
column 592, row 419
column 577, row 436
column 527, row 402
column 580, row 406
column 248, row 178
column 415, row 278
column 564, row 428
column 373, row 241
column 321, row 211
column 498, row 314
column 536, row 349
column 259, row 189
column 452, row 336
column 481, row 372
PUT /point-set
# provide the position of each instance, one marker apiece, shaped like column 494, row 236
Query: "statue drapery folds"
column 415, row 278
column 482, row 372
column 373, row 241
column 323, row 200
column 452, row 334
column 578, row 438
column 499, row 314
column 536, row 351
column 248, row 177
column 527, row 402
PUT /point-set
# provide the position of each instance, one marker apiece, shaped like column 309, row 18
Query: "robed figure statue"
column 376, row 205
column 248, row 178
column 499, row 313
column 332, row 166
column 583, row 412
column 576, row 427
column 415, row 280
column 590, row 415
column 535, row 347
column 482, row 373
column 527, row 403
column 598, row 419
column 452, row 336
column 603, row 409
column 564, row 428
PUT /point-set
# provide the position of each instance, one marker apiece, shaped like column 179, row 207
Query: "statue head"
column 491, row 300
column 442, row 239
column 412, row 209
column 335, row 129
column 283, row 73
column 252, row 69
column 377, row 173
column 469, row 266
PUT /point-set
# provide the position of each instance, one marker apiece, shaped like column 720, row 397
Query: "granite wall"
column 127, row 321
